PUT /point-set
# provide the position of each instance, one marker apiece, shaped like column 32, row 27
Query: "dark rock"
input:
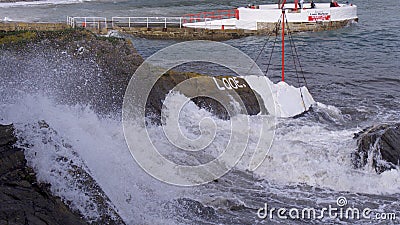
column 379, row 143
column 90, row 70
column 172, row 78
column 87, row 70
column 73, row 66
column 23, row 200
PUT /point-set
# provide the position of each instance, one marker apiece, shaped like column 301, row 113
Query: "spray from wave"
column 65, row 110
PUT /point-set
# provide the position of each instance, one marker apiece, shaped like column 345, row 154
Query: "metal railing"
column 87, row 22
column 70, row 21
column 147, row 22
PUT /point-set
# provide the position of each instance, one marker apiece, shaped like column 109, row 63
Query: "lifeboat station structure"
column 307, row 17
column 224, row 24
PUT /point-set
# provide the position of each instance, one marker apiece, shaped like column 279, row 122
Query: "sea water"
column 353, row 73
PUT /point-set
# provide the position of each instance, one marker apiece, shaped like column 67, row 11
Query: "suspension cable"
column 294, row 47
column 295, row 55
column 276, row 30
column 265, row 45
column 293, row 52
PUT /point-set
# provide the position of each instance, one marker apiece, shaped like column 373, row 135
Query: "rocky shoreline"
column 23, row 199
column 378, row 146
column 109, row 64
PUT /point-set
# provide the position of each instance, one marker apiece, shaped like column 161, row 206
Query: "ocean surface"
column 352, row 72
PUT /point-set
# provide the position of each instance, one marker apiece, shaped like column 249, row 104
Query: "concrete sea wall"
column 306, row 26
column 263, row 28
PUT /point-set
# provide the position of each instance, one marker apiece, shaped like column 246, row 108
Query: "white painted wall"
column 343, row 13
column 248, row 18
column 214, row 24
column 246, row 25
column 271, row 13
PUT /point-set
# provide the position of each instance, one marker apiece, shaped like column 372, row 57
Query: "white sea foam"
column 318, row 156
column 301, row 154
column 100, row 148
column 310, row 153
column 6, row 19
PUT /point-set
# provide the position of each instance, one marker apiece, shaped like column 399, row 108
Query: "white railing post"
column 90, row 22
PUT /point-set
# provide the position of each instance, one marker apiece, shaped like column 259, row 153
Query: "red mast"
column 283, row 44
